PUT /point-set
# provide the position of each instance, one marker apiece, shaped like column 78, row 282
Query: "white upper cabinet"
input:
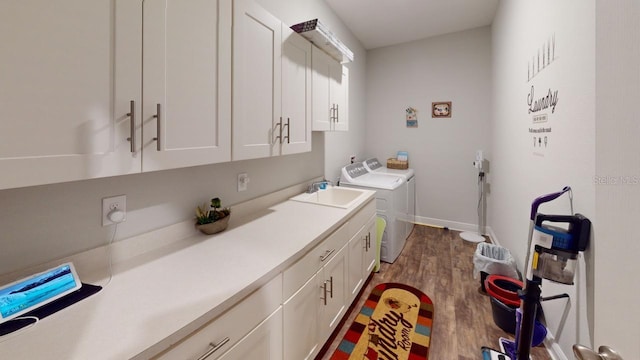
column 257, row 46
column 186, row 80
column 330, row 93
column 296, row 93
column 271, row 85
column 68, row 76
column 71, row 104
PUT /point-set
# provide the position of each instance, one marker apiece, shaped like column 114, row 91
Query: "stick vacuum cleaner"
column 552, row 255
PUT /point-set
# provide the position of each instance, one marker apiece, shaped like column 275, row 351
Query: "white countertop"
column 159, row 297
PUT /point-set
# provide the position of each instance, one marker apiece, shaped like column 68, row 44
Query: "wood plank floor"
column 440, row 264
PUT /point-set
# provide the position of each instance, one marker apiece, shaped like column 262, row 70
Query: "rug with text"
column 394, row 323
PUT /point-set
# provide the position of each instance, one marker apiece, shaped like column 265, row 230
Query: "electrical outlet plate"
column 112, row 203
column 243, row 179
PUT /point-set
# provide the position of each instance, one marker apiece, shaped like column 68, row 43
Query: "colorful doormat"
column 394, row 323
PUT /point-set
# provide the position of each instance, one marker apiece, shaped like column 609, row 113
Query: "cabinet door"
column 68, row 73
column 263, row 342
column 371, row 249
column 301, row 330
column 357, row 247
column 257, row 48
column 334, row 278
column 321, row 106
column 296, row 92
column 340, row 96
column 187, row 64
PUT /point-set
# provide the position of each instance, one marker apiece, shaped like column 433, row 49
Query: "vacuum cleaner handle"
column 545, row 198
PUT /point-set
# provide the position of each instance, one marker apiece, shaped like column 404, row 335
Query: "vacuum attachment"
column 556, row 249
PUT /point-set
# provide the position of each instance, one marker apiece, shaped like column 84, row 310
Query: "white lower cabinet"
column 362, row 257
column 314, row 311
column 333, row 292
column 301, row 330
column 317, row 288
column 362, row 248
column 224, row 332
column 263, row 342
column 293, row 315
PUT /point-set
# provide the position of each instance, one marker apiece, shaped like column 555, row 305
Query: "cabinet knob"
column 158, row 117
column 132, row 126
column 324, row 290
column 214, row 348
column 326, row 254
column 279, row 136
column 288, row 131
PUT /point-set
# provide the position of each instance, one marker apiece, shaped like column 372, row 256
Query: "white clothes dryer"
column 374, row 166
column 391, row 205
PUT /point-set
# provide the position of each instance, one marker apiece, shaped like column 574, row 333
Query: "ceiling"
column 378, row 23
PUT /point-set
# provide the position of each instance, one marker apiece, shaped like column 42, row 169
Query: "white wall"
column 454, row 67
column 617, row 315
column 520, row 171
column 42, row 223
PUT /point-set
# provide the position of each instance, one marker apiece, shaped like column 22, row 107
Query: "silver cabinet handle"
column 368, row 241
column 214, row 348
column 288, row 124
column 337, row 114
column 326, row 254
column 158, row 118
column 132, row 126
column 279, row 136
column 331, row 286
column 324, row 289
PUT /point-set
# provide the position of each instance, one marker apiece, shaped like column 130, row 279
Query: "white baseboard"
column 454, row 225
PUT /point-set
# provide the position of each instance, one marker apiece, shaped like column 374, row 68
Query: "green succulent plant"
column 211, row 213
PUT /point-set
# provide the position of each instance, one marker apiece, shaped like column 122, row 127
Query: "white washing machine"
column 391, row 205
column 374, row 166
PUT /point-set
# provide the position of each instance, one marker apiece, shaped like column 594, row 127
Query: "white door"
column 340, row 96
column 334, row 277
column 296, row 92
column 301, row 329
column 257, row 48
column 68, row 74
column 321, row 106
column 187, row 64
column 263, row 342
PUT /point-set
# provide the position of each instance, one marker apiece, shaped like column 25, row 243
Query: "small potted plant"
column 213, row 218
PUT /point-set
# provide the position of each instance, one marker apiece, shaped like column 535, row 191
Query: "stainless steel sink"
column 333, row 196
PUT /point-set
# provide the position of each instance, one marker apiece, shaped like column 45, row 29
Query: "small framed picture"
column 441, row 109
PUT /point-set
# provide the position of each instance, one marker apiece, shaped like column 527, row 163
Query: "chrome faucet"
column 316, row 185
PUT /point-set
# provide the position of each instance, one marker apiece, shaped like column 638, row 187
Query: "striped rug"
column 395, row 323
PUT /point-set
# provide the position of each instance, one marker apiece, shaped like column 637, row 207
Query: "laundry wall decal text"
column 550, row 100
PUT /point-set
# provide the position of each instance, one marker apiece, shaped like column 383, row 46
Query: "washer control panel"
column 355, row 170
column 372, row 164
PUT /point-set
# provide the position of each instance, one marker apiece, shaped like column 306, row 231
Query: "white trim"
column 492, row 236
column 455, row 225
column 452, row 225
column 553, row 348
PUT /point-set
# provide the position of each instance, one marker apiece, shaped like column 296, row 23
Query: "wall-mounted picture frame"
column 441, row 109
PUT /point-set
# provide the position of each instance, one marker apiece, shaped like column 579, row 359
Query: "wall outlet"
column 114, row 210
column 243, row 180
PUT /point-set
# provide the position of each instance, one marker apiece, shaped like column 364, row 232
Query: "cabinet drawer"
column 230, row 327
column 361, row 217
column 300, row 272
